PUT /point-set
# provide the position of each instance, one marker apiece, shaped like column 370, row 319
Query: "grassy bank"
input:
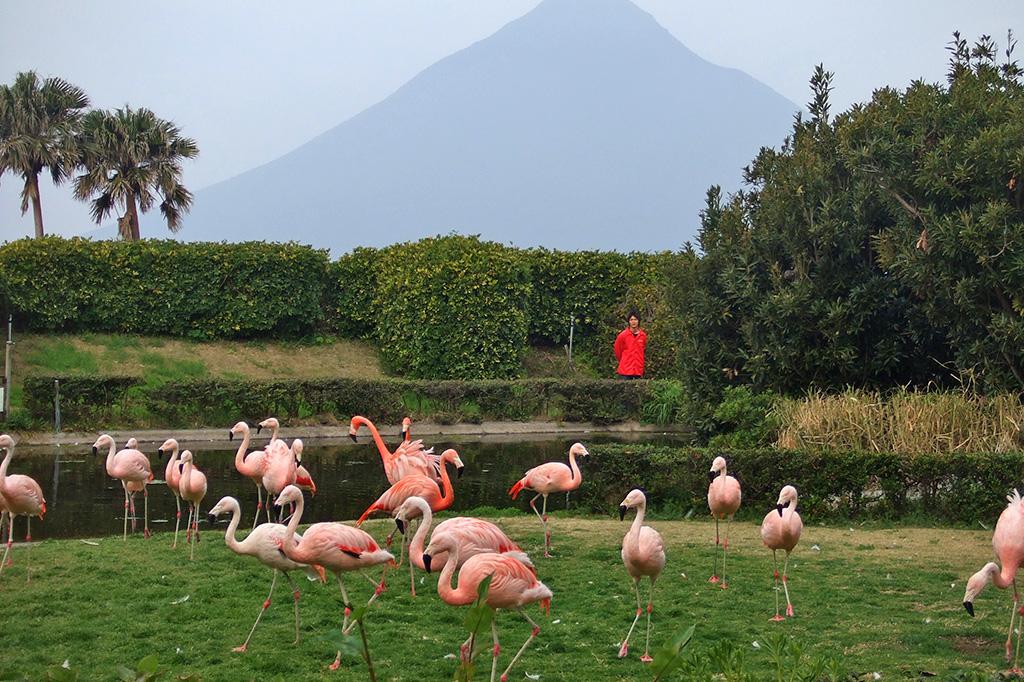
column 884, row 601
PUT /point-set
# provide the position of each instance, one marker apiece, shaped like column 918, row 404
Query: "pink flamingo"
column 643, row 553
column 272, row 424
column 252, row 465
column 553, row 477
column 134, row 487
column 781, row 529
column 1008, row 543
column 126, row 465
column 475, row 536
column 406, row 430
column 303, row 479
column 192, row 487
column 172, row 477
column 21, row 496
column 409, row 457
column 513, row 586
column 336, row 547
column 724, row 497
column 263, row 543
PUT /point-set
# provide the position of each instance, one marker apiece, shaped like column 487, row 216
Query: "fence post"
column 56, row 405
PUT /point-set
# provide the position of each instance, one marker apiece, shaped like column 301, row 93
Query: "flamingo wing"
column 23, row 495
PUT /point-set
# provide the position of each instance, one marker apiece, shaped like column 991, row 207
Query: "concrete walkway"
column 490, row 431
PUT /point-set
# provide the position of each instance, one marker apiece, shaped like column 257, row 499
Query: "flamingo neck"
column 638, row 522
column 240, row 455
column 1002, row 578
column 574, row 468
column 455, row 596
column 385, row 454
column 787, row 513
column 293, row 525
column 447, row 490
column 110, row 455
column 724, row 472
column 3, row 467
column 416, row 548
column 186, row 476
column 229, row 534
column 169, row 469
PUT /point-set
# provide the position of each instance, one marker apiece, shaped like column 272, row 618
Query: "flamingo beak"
column 159, row 453
column 426, row 563
column 95, row 450
column 353, row 437
column 211, row 518
column 970, row 608
column 712, row 475
column 459, row 471
column 400, row 524
column 622, row 512
column 231, row 435
column 779, row 508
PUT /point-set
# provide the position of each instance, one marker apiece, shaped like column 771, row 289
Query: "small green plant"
column 745, row 419
column 348, row 645
column 147, row 669
column 666, row 398
column 670, row 656
column 478, row 619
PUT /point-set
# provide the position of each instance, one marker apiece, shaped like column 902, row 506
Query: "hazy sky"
column 252, row 80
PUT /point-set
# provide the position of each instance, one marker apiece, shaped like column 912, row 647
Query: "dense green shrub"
column 960, row 488
column 83, row 399
column 452, row 307
column 351, row 290
column 214, row 402
column 745, row 419
column 199, row 290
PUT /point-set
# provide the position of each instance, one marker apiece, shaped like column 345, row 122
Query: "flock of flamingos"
column 475, row 548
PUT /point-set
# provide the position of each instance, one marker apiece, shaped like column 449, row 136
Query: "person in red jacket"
column 629, row 348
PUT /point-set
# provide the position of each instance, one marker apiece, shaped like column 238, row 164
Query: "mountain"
column 583, row 124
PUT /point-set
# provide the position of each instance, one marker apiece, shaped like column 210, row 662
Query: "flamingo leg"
column 496, row 650
column 267, row 506
column 646, row 658
column 1013, row 613
column 624, row 649
column 533, row 634
column 10, row 541
column 177, row 519
column 775, row 586
column 3, row 515
column 259, row 506
column 125, row 538
column 714, row 571
column 547, row 531
column 347, row 604
column 725, row 550
column 28, row 556
column 131, row 507
column 295, row 599
column 412, row 574
column 145, row 505
column 378, row 590
column 266, row 605
column 543, row 519
column 192, row 541
column 789, row 605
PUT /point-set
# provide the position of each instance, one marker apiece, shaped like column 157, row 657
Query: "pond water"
column 82, row 501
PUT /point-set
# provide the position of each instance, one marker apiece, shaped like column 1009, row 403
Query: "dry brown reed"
column 903, row 421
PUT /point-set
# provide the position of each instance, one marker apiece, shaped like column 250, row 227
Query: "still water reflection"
column 82, row 501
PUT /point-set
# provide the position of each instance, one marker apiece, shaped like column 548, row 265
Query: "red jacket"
column 629, row 351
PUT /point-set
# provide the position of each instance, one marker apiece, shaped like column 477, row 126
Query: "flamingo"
column 513, row 586
column 336, row 547
column 303, row 479
column 406, row 430
column 251, row 465
column 408, row 458
column 272, row 424
column 475, row 536
column 21, row 496
column 1008, row 543
column 135, row 486
column 172, row 477
column 724, row 497
column 781, row 529
column 262, row 543
column 125, row 465
column 643, row 553
column 280, row 469
column 192, row 487
column 553, row 477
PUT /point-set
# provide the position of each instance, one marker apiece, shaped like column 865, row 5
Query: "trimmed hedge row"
column 215, row 402
column 957, row 488
column 199, row 290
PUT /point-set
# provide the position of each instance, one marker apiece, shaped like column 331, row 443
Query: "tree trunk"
column 37, row 206
column 133, row 219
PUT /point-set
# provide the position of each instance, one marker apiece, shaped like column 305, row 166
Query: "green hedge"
column 84, row 399
column 215, row 402
column 958, row 488
column 154, row 287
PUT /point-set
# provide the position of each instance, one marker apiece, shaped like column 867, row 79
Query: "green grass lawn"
column 876, row 600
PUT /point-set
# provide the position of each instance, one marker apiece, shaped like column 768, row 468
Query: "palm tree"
column 132, row 159
column 38, row 121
